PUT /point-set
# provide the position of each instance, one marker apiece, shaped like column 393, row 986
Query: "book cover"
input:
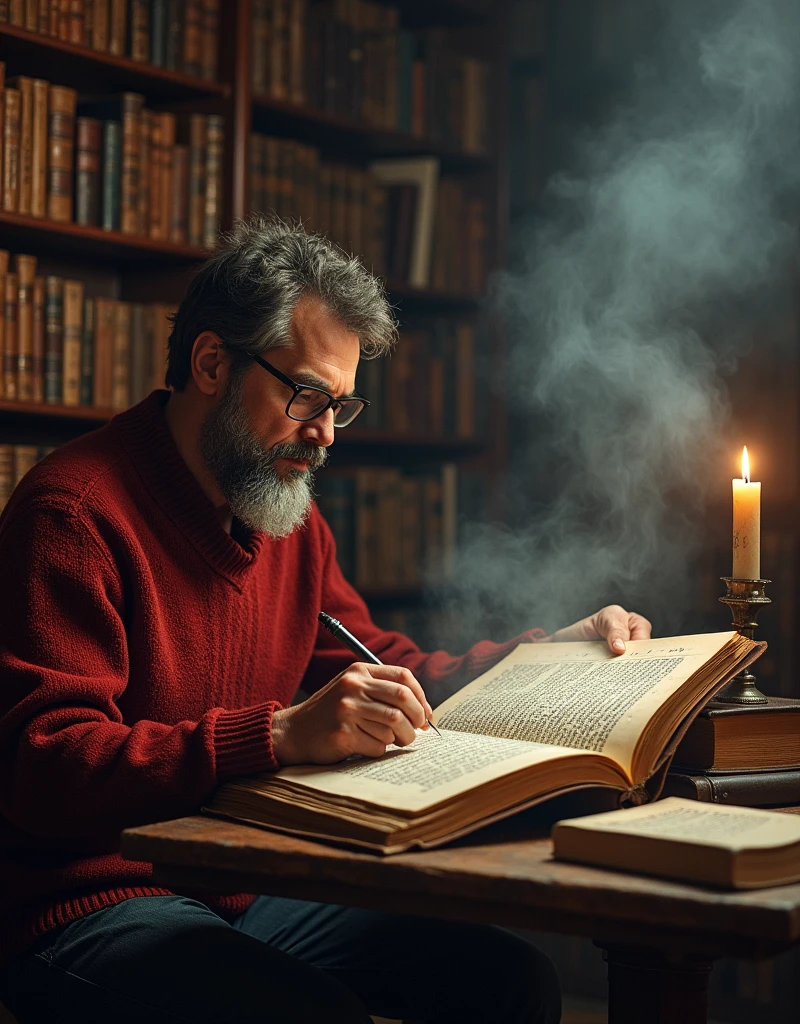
column 209, row 44
column 198, row 140
column 87, row 353
column 117, row 27
column 24, row 86
column 193, row 37
column 41, row 90
column 105, row 326
column 37, row 356
column 88, row 139
column 158, row 33
column 121, row 356
column 61, row 130
column 10, row 349
column 11, row 146
column 215, row 153
column 139, row 33
column 73, row 331
column 53, row 339
column 112, row 156
column 26, row 272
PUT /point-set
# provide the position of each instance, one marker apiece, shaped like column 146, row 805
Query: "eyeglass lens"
column 308, row 404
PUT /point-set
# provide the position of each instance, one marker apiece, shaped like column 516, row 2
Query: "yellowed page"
column 729, row 828
column 578, row 694
column 430, row 770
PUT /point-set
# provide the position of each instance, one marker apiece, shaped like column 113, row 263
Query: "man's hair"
column 247, row 290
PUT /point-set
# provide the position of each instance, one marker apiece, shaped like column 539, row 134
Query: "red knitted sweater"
column 143, row 651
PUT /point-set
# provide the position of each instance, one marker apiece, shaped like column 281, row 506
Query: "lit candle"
column 746, row 525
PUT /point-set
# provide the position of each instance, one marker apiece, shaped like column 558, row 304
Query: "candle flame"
column 745, row 465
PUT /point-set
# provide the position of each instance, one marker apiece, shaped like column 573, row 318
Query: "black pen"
column 344, row 636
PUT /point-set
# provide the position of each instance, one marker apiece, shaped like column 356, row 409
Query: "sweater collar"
column 148, row 441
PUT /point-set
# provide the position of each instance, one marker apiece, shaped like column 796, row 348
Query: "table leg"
column 655, row 986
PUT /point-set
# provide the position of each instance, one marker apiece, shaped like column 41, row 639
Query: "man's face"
column 261, row 459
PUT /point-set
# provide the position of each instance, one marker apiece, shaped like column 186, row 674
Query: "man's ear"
column 210, row 364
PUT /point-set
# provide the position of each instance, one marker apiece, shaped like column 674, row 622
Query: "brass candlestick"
column 744, row 597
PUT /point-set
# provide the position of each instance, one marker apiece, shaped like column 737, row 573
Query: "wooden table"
column 660, row 938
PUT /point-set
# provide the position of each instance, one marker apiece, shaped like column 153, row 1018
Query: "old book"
column 198, row 140
column 43, row 18
column 117, row 27
column 53, row 338
column 209, row 43
column 754, row 788
column 16, row 13
column 24, row 85
column 88, row 22
column 104, row 331
column 11, row 146
column 732, row 737
column 179, row 195
column 158, row 33
column 215, row 152
column 729, row 847
column 168, row 125
column 155, row 228
column 100, row 25
column 546, row 719
column 416, row 218
column 121, row 357
column 41, row 90
column 145, row 157
column 278, row 60
column 10, row 342
column 25, row 267
column 37, row 356
column 174, row 49
column 88, row 137
column 127, row 110
column 61, row 127
column 192, row 37
column 260, row 47
column 139, row 32
column 112, row 157
column 87, row 352
column 73, row 330
column 75, row 22
column 32, row 15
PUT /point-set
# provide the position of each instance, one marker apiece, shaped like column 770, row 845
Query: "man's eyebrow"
column 304, row 377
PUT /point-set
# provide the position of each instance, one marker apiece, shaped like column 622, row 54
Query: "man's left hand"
column 612, row 624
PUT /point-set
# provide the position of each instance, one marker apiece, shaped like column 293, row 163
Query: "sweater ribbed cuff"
column 243, row 741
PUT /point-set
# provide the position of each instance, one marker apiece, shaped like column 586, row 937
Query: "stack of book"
column 109, row 162
column 351, row 59
column 391, row 527
column 735, row 754
column 179, row 35
column 59, row 346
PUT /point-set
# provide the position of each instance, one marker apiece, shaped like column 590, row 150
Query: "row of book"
column 116, row 166
column 59, row 346
column 391, row 528
column 15, row 461
column 351, row 58
column 408, row 223
column 426, row 388
column 179, row 35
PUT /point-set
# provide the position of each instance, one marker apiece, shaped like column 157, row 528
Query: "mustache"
column 313, row 454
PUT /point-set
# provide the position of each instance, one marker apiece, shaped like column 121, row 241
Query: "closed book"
column 61, row 128
column 88, row 22
column 209, row 44
column 179, row 195
column 298, row 19
column 112, row 155
column 32, row 15
column 39, row 323
column 10, row 341
column 260, row 47
column 215, row 152
column 87, row 352
column 145, row 171
column 43, row 19
column 117, row 27
column 24, row 85
column 88, row 158
column 4, row 271
column 198, row 140
column 278, row 61
column 53, row 338
column 367, row 529
column 73, row 330
column 192, row 37
column 174, row 50
column 104, row 330
column 16, row 13
column 11, row 154
column 168, row 125
column 127, row 110
column 159, row 12
column 465, row 380
column 75, row 22
column 139, row 31
column 62, row 19
column 755, row 788
column 139, row 353
column 121, row 356
column 41, row 90
column 100, row 25
column 26, row 273
column 733, row 737
column 155, row 228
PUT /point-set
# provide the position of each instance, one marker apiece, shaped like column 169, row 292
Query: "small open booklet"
column 732, row 847
column 546, row 719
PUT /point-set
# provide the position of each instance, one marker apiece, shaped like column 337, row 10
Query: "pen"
column 344, row 636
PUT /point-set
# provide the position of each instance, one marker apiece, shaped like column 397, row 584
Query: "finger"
column 403, row 731
column 612, row 623
column 404, row 676
column 640, row 627
column 405, row 693
column 381, row 732
column 368, row 745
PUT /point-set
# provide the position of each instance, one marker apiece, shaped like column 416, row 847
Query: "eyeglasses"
column 308, row 401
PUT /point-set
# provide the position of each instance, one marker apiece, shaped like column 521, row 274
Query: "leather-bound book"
column 139, row 353
column 139, row 48
column 61, row 128
column 53, row 338
column 259, row 69
column 174, row 50
column 87, row 352
column 105, row 326
column 121, row 357
column 198, row 141
column 10, row 349
column 278, row 60
column 87, row 174
column 757, row 788
column 733, row 737
column 209, row 42
column 155, row 228
column 73, row 330
column 16, row 13
column 179, row 195
column 130, row 171
column 37, row 354
column 25, row 267
column 11, row 154
column 167, row 164
column 88, row 23
column 145, row 170
column 41, row 90
column 32, row 15
column 43, row 18
column 25, row 87
column 75, row 22
column 215, row 152
column 192, row 37
column 118, row 27
column 100, row 25
column 112, row 156
column 53, row 18
column 159, row 12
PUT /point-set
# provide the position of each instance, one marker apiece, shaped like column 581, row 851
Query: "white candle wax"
column 746, row 526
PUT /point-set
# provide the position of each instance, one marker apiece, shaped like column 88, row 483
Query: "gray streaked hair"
column 246, row 292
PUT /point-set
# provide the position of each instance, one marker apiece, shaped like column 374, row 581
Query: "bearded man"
column 162, row 578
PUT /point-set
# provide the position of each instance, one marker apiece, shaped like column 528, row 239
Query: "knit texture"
column 143, row 651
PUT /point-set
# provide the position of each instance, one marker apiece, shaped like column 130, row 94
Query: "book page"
column 432, row 769
column 578, row 694
column 733, row 828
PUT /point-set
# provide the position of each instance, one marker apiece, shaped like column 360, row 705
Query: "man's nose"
column 320, row 430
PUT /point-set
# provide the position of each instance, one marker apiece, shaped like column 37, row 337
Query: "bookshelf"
column 137, row 268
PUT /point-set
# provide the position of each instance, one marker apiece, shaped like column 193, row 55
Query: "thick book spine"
column 139, row 16
column 53, row 18
column 193, row 37
column 210, row 40
column 279, row 50
column 259, row 47
column 105, row 326
column 155, row 227
column 198, row 139
column 26, row 273
column 87, row 352
column 10, row 349
column 53, row 338
column 145, row 172
column 297, row 51
column 88, row 23
column 43, row 18
column 112, row 151
column 25, row 172
column 87, row 172
column 75, row 22
column 37, row 352
column 158, row 33
column 179, row 195
column 31, row 15
column 100, row 25
column 62, row 20
column 73, row 329
column 121, row 355
column 41, row 90
column 11, row 134
column 173, row 60
column 167, row 166
column 16, row 13
column 132, row 104
column 139, row 354
column 213, row 196
column 61, row 127
column 117, row 27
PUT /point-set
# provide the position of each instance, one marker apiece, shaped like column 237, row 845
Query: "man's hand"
column 361, row 711
column 612, row 624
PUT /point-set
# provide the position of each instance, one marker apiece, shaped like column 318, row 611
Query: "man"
column 161, row 583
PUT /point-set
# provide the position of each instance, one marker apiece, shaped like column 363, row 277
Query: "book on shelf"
column 415, row 182
column 732, row 737
column 727, row 847
column 547, row 719
column 756, row 787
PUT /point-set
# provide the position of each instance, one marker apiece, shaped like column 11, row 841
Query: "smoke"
column 670, row 233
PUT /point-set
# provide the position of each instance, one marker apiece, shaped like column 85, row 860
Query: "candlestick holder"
column 744, row 598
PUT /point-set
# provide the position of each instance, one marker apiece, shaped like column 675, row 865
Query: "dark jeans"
column 168, row 959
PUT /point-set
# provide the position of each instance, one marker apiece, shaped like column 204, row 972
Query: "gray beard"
column 245, row 473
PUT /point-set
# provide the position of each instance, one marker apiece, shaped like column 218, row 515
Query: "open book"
column 732, row 847
column 546, row 719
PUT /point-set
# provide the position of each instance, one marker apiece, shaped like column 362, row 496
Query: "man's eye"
column 306, row 397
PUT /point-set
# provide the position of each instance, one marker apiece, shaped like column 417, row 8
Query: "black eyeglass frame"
column 298, row 388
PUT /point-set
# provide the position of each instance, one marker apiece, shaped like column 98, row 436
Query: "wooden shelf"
column 93, row 71
column 20, row 231
column 79, row 415
column 320, row 128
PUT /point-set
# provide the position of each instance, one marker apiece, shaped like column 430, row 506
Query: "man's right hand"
column 361, row 711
